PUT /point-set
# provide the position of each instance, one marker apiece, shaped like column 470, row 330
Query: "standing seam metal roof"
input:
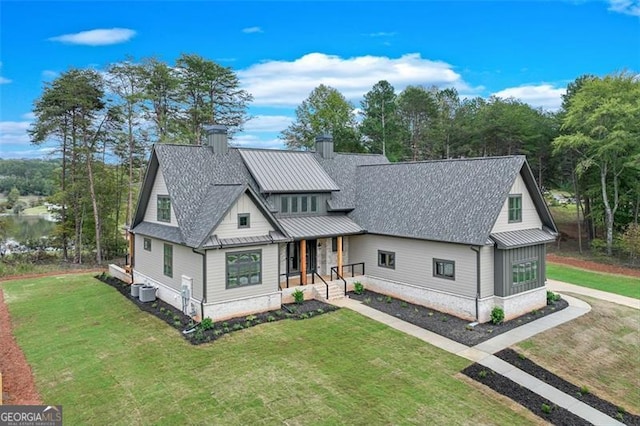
column 522, row 238
column 287, row 171
column 319, row 226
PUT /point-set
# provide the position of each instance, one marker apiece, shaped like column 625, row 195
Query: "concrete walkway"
column 598, row 294
column 483, row 353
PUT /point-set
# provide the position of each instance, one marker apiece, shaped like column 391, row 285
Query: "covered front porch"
column 319, row 252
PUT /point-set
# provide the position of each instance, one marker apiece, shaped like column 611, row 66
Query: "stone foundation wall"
column 168, row 294
column 241, row 307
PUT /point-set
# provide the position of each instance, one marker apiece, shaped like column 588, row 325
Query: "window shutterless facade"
column 444, row 269
column 147, row 244
column 284, row 205
column 294, row 204
column 314, row 203
column 304, row 203
column 386, row 259
column 164, row 208
column 168, row 260
column 244, row 220
column 244, row 268
column 524, row 272
column 515, row 208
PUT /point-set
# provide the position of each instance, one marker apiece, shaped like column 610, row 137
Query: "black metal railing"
column 313, row 274
column 352, row 266
column 291, row 274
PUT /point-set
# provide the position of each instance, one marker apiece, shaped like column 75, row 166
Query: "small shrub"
column 303, row 316
column 320, row 311
column 620, row 416
column 430, row 313
column 176, row 317
column 177, row 323
column 552, row 297
column 497, row 315
column 388, row 299
column 206, row 324
column 521, row 356
column 358, row 288
column 155, row 305
column 279, row 313
column 379, row 298
column 366, row 300
column 225, row 324
column 237, row 326
column 298, row 296
column 271, row 318
column 482, row 374
column 404, row 304
column 199, row 335
column 584, row 390
column 251, row 318
column 217, row 331
column 226, row 329
column 248, row 324
column 546, row 408
column 162, row 309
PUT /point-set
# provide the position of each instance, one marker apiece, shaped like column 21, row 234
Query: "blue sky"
column 282, row 50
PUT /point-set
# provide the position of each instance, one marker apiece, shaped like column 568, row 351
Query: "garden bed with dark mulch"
column 580, row 393
column 537, row 404
column 208, row 331
column 447, row 325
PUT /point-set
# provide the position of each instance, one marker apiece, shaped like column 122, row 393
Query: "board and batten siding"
column 185, row 262
column 414, row 262
column 504, row 259
column 258, row 223
column 216, row 274
column 159, row 188
column 530, row 217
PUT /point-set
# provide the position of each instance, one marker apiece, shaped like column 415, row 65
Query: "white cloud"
column 49, row 74
column 382, row 34
column 543, row 95
column 97, row 37
column 252, row 30
column 12, row 134
column 628, row 7
column 2, row 79
column 288, row 83
column 268, row 123
column 252, row 141
column 29, row 116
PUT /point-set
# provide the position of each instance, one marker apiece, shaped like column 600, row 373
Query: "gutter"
column 477, row 250
column 204, row 281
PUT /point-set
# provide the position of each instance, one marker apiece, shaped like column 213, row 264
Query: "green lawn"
column 107, row 362
column 39, row 210
column 625, row 286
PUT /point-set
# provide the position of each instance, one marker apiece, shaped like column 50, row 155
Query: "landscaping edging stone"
column 530, row 367
column 523, row 396
column 178, row 320
column 446, row 325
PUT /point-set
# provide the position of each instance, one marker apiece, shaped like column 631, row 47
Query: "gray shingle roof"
column 287, row 171
column 522, row 238
column 342, row 168
column 162, row 232
column 452, row 200
column 319, row 226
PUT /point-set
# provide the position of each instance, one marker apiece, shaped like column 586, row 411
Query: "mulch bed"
column 523, row 396
column 178, row 320
column 447, row 325
column 18, row 386
column 525, row 364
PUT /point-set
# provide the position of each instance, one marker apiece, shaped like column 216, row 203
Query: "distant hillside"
column 31, row 177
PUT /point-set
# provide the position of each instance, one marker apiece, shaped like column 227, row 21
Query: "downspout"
column 477, row 250
column 204, row 281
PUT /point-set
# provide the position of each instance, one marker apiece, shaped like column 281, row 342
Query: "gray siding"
column 159, row 188
column 185, row 262
column 258, row 224
column 486, row 271
column 414, row 262
column 504, row 259
column 216, row 274
column 530, row 217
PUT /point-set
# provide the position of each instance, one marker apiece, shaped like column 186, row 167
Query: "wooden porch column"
column 340, row 255
column 303, row 262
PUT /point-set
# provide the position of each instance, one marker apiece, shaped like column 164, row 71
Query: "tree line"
column 28, row 177
column 103, row 124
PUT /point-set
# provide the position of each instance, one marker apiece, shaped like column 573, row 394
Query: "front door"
column 293, row 256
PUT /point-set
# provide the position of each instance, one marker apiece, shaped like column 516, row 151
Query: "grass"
column 107, row 362
column 35, row 211
column 564, row 213
column 598, row 350
column 625, row 286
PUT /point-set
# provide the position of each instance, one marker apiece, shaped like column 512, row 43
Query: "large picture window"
column 524, row 272
column 444, row 269
column 386, row 259
column 244, row 268
column 168, row 260
column 515, row 208
column 164, row 208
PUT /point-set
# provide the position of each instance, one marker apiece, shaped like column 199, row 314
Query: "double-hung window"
column 515, row 208
column 168, row 260
column 164, row 208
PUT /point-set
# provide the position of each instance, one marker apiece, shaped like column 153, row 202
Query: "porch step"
column 336, row 291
